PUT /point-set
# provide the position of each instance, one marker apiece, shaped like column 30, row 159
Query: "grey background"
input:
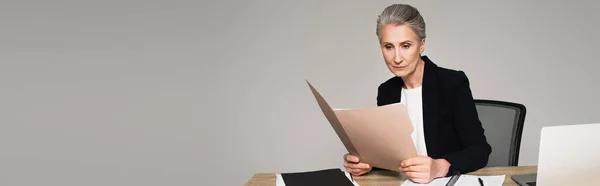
column 135, row 92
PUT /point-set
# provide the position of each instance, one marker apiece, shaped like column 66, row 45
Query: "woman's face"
column 401, row 49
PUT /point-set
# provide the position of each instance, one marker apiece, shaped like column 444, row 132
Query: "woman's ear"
column 422, row 47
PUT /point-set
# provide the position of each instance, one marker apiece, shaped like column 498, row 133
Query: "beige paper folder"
column 380, row 136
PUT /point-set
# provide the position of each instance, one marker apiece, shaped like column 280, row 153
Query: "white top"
column 412, row 99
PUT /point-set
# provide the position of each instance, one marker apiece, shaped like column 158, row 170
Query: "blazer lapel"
column 396, row 91
column 430, row 105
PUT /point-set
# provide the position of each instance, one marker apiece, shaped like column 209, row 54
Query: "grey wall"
column 210, row 92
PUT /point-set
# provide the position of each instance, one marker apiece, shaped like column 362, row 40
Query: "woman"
column 448, row 135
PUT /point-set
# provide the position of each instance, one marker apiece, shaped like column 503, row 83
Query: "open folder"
column 379, row 136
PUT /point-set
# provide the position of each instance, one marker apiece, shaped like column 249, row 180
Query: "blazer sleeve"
column 475, row 148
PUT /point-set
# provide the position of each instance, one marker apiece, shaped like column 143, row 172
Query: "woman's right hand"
column 354, row 166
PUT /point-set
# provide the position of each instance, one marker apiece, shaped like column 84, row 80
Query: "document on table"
column 463, row 180
column 320, row 177
column 380, row 136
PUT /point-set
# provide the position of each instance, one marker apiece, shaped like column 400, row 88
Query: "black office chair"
column 503, row 124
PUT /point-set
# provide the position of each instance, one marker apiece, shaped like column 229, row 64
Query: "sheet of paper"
column 464, row 180
column 333, row 120
column 380, row 136
column 279, row 180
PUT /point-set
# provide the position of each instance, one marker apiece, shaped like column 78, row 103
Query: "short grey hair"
column 402, row 14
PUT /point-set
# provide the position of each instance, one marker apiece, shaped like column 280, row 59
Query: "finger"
column 414, row 161
column 351, row 158
column 416, row 175
column 355, row 172
column 416, row 168
column 367, row 166
column 350, row 165
column 347, row 165
column 419, row 160
column 350, row 170
column 361, row 166
column 358, row 172
column 362, row 172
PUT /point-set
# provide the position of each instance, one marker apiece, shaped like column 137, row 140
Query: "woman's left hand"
column 423, row 169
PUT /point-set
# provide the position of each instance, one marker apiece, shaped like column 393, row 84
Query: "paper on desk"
column 380, row 136
column 464, row 180
column 279, row 180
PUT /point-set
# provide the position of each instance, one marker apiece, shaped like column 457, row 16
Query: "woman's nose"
column 397, row 57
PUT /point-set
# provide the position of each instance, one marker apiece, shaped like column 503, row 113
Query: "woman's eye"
column 388, row 47
column 405, row 46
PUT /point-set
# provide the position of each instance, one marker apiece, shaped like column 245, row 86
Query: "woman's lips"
column 398, row 67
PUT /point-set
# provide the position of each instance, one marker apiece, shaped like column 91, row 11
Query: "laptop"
column 568, row 155
column 525, row 179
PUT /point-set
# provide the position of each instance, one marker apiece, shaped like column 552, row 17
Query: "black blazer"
column 451, row 125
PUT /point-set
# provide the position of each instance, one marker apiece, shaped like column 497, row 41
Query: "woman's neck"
column 415, row 79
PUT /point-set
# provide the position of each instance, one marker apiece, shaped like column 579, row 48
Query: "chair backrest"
column 503, row 124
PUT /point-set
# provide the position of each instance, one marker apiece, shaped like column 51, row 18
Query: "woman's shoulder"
column 451, row 76
column 446, row 76
column 452, row 82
